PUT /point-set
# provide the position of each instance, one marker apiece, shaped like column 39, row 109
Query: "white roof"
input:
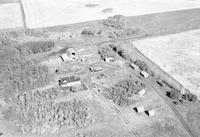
column 134, row 66
column 151, row 112
column 144, row 73
column 141, row 92
column 64, row 56
column 140, row 109
column 71, row 50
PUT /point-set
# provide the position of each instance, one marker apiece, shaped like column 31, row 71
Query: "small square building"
column 135, row 67
column 141, row 92
column 139, row 109
column 151, row 112
column 144, row 74
column 109, row 59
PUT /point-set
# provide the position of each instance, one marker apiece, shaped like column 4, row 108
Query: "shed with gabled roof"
column 139, row 109
column 69, row 81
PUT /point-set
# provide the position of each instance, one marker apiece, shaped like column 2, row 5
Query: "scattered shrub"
column 164, row 129
column 88, row 32
column 174, row 94
column 142, row 65
column 106, row 52
column 189, row 97
column 91, row 32
column 36, row 32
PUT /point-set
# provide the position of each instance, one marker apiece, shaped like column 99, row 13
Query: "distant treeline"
column 34, row 47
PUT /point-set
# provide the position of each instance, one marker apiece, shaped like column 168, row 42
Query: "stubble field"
column 178, row 55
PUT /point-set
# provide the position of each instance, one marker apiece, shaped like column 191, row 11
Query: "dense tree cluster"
column 176, row 94
column 143, row 66
column 105, row 52
column 119, row 27
column 18, row 74
column 123, row 32
column 121, row 52
column 91, row 32
column 122, row 92
column 41, row 117
column 34, row 47
column 116, row 22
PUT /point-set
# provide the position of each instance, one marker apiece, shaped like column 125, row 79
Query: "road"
column 23, row 14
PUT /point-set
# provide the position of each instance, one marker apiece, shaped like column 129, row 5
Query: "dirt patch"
column 91, row 5
column 166, row 129
column 107, row 10
column 193, row 119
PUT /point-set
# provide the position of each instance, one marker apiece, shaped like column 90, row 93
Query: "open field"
column 10, row 16
column 43, row 13
column 7, row 1
column 178, row 55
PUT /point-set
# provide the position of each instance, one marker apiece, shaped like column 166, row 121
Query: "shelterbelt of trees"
column 18, row 74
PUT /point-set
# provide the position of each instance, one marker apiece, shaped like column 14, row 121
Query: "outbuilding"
column 151, row 112
column 64, row 57
column 135, row 67
column 95, row 68
column 71, row 51
column 144, row 74
column 69, row 81
column 109, row 59
column 141, row 92
column 139, row 109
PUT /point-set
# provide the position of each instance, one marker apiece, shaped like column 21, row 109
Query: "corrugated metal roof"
column 69, row 79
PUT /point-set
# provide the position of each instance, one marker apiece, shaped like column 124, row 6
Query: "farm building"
column 139, row 109
column 141, row 92
column 95, row 68
column 144, row 74
column 71, row 51
column 109, row 59
column 70, row 55
column 69, row 81
column 64, row 57
column 135, row 67
column 151, row 112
